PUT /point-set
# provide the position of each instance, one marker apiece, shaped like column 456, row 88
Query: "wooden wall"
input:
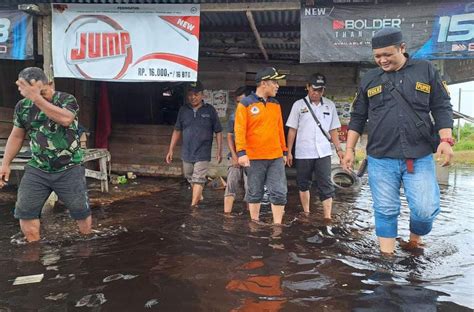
column 86, row 93
column 9, row 70
column 6, row 121
column 229, row 74
column 9, row 94
column 142, row 148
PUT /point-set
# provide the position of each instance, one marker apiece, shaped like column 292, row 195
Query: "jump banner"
column 126, row 42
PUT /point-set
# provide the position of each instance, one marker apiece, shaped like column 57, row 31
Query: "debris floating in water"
column 151, row 303
column 71, row 277
column 117, row 277
column 92, row 301
column 50, row 259
column 56, row 297
column 28, row 279
column 18, row 239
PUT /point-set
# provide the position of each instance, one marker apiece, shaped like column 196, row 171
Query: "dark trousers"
column 321, row 167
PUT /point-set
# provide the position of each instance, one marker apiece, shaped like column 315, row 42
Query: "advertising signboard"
column 342, row 33
column 16, row 35
column 126, row 42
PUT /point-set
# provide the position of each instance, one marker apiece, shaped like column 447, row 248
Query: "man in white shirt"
column 313, row 146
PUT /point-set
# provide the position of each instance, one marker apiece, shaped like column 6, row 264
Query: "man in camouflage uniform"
column 49, row 118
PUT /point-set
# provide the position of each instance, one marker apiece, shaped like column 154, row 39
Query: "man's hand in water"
column 4, row 175
column 347, row 161
column 445, row 150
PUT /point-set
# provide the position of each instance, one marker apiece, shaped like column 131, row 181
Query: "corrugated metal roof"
column 130, row 1
column 229, row 33
column 338, row 2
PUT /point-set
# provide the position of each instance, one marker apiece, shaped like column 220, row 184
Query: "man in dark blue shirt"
column 397, row 99
column 197, row 122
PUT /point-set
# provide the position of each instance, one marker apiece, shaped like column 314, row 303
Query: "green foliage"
column 464, row 145
column 466, row 131
column 467, row 138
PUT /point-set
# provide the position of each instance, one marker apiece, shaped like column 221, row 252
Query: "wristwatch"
column 450, row 141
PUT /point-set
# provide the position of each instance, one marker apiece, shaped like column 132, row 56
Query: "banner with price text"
column 126, row 42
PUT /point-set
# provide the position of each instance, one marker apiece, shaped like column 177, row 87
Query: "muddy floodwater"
column 152, row 252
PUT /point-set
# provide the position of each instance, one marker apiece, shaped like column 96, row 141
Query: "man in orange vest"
column 261, row 146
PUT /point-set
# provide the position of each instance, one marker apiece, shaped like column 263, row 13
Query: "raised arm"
column 62, row 116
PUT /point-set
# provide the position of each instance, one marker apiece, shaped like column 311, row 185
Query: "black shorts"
column 36, row 186
column 321, row 167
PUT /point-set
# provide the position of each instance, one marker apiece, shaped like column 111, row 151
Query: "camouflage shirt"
column 53, row 147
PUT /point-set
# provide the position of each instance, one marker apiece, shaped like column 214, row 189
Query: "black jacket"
column 391, row 133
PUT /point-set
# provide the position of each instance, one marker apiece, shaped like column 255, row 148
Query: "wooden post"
column 459, row 119
column 104, row 183
column 256, row 34
column 47, row 49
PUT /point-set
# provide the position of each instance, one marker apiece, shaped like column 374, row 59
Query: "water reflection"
column 153, row 252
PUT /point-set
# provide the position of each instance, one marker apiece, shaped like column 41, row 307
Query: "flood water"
column 154, row 253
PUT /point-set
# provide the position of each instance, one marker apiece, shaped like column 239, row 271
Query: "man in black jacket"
column 397, row 99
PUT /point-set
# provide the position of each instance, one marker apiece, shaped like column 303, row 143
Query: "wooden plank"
column 141, row 144
column 173, row 170
column 47, row 53
column 96, row 153
column 6, row 114
column 145, row 129
column 96, row 174
column 5, row 130
column 140, row 139
column 136, row 151
column 256, row 34
column 144, row 159
column 39, row 34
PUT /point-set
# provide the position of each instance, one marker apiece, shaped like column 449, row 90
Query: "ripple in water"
column 201, row 260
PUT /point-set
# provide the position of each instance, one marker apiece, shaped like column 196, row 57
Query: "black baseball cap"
column 194, row 86
column 268, row 73
column 317, row 81
column 387, row 37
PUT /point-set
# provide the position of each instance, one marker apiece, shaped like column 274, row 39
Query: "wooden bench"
column 19, row 163
column 102, row 155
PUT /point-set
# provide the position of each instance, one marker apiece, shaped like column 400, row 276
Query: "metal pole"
column 459, row 119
